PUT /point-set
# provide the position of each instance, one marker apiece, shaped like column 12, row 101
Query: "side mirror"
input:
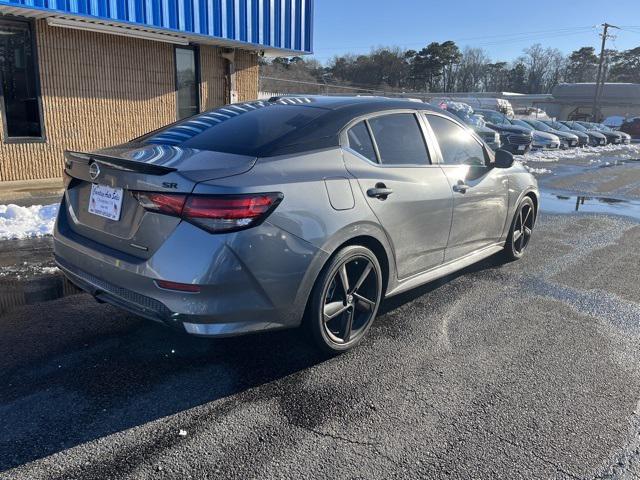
column 503, row 159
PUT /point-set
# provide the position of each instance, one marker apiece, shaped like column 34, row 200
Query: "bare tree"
column 472, row 68
column 545, row 68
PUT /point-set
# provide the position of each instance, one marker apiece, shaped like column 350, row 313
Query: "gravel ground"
column 525, row 370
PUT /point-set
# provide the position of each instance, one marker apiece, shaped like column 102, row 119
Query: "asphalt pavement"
column 523, row 370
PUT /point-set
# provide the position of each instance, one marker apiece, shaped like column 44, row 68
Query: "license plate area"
column 521, row 148
column 105, row 201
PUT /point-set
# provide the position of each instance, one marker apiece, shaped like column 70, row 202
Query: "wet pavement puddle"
column 561, row 203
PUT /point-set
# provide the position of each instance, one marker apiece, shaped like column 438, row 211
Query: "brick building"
column 84, row 74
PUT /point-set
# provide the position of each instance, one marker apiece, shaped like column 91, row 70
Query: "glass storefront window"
column 19, row 96
column 187, row 82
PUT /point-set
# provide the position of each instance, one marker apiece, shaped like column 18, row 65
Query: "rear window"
column 243, row 129
column 360, row 141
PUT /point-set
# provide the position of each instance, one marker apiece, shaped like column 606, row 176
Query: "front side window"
column 399, row 139
column 457, row 145
column 187, row 82
column 360, row 141
column 19, row 96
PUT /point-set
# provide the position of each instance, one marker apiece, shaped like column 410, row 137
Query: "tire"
column 521, row 230
column 338, row 318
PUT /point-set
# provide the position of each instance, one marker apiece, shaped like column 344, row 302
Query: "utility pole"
column 600, row 77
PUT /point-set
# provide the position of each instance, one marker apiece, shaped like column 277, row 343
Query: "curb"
column 43, row 288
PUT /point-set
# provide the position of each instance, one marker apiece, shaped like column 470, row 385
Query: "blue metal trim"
column 277, row 27
column 255, row 22
column 298, row 26
column 287, row 23
column 266, row 22
column 243, row 19
column 231, row 23
column 278, row 24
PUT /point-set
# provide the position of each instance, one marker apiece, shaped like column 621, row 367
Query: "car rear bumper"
column 253, row 280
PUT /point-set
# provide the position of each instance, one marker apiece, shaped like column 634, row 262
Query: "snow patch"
column 538, row 171
column 543, row 156
column 26, row 222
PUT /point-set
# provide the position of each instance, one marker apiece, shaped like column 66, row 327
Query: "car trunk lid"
column 128, row 169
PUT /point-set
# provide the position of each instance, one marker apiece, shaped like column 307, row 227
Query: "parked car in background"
column 625, row 138
column 253, row 216
column 531, row 112
column 498, row 104
column 614, row 121
column 583, row 138
column 541, row 140
column 567, row 140
column 515, row 139
column 465, row 113
column 613, row 138
column 631, row 127
column 596, row 138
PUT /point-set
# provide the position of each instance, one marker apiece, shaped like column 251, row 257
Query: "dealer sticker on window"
column 105, row 201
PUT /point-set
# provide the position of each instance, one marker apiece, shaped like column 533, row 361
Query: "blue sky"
column 500, row 27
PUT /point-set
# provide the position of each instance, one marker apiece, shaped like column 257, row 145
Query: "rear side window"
column 399, row 139
column 243, row 128
column 360, row 141
column 457, row 145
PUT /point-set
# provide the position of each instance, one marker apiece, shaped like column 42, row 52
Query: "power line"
column 503, row 35
column 495, row 43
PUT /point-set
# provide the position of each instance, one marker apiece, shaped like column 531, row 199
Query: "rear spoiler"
column 116, row 162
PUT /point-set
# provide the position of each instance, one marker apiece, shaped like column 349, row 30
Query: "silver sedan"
column 292, row 211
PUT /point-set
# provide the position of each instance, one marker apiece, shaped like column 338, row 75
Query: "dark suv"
column 515, row 139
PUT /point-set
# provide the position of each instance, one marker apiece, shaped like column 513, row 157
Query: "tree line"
column 444, row 67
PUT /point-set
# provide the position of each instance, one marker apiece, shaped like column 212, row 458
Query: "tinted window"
column 457, row 145
column 494, row 117
column 360, row 141
column 243, row 128
column 399, row 139
column 18, row 80
column 187, row 82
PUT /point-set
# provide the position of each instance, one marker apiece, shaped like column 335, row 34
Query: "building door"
column 187, row 81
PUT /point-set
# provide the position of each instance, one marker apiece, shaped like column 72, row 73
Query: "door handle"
column 461, row 187
column 380, row 191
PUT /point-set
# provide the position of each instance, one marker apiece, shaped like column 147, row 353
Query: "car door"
column 480, row 192
column 410, row 197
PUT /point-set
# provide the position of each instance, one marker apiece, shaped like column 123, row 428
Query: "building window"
column 19, row 92
column 187, row 81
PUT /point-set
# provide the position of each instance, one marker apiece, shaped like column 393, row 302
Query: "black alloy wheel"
column 521, row 230
column 345, row 299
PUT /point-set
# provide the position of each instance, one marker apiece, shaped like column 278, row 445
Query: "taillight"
column 162, row 202
column 215, row 213
column 178, row 287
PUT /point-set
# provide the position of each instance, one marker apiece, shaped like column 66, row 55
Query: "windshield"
column 577, row 126
column 560, row 126
column 477, row 120
column 494, row 117
column 538, row 125
column 522, row 124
